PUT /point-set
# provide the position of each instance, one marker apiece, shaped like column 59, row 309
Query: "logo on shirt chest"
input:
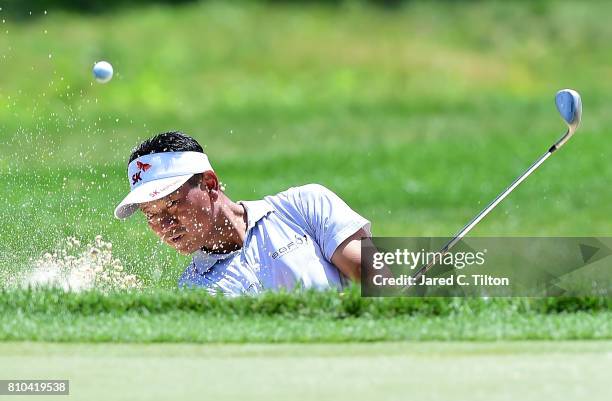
column 299, row 241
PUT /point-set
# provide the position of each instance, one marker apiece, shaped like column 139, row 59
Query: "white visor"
column 157, row 175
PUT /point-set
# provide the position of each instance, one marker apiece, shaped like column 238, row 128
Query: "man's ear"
column 209, row 182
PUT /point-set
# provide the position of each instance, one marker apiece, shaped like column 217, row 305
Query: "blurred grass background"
column 417, row 115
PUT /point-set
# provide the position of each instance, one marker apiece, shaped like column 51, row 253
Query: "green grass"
column 391, row 371
column 312, row 304
column 191, row 327
column 309, row 317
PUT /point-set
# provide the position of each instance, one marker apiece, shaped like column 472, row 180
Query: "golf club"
column 569, row 105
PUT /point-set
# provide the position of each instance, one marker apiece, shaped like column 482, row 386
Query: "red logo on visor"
column 141, row 167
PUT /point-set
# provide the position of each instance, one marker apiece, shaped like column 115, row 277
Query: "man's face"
column 182, row 219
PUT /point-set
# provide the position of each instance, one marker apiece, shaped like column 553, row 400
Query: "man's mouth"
column 177, row 238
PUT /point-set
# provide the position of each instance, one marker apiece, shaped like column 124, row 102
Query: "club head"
column 569, row 104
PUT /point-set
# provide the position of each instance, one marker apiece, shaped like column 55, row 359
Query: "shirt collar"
column 204, row 261
column 256, row 210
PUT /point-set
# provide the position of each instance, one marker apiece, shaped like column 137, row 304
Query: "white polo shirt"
column 290, row 239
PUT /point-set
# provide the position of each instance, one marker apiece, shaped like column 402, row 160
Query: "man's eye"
column 171, row 203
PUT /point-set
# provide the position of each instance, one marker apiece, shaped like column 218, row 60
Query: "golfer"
column 304, row 237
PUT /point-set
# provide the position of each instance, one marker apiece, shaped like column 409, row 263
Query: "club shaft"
column 468, row 227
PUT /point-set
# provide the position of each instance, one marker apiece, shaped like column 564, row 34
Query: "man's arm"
column 347, row 257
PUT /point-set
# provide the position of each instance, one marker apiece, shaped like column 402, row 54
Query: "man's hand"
column 347, row 257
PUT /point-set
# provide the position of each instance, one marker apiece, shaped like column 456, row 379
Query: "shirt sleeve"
column 329, row 219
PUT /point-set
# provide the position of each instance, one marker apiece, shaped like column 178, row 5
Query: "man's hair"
column 172, row 141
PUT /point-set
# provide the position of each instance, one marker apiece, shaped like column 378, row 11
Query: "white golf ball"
column 103, row 71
